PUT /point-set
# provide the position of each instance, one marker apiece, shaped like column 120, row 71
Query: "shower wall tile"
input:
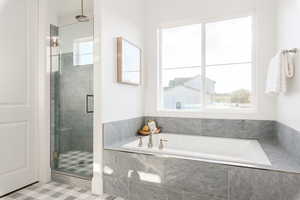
column 247, row 129
column 65, row 140
column 150, row 177
column 54, row 30
column 67, row 60
column 82, row 143
column 120, row 130
column 75, row 84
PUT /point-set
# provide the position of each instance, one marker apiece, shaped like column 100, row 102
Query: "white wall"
column 97, row 181
column 120, row 18
column 47, row 16
column 72, row 32
column 289, row 37
column 193, row 11
column 52, row 12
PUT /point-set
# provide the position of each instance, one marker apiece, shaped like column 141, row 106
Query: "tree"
column 240, row 96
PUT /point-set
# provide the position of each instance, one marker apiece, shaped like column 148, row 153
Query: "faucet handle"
column 140, row 141
column 161, row 144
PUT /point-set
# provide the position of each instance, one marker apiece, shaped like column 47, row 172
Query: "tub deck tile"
column 196, row 177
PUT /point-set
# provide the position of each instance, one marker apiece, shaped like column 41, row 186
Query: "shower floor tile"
column 56, row 191
column 77, row 162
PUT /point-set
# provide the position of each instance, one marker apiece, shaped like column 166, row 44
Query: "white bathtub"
column 209, row 148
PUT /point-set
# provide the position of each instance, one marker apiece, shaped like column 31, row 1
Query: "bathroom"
column 150, row 100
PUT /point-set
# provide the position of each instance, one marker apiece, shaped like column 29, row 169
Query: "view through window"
column 207, row 65
column 83, row 51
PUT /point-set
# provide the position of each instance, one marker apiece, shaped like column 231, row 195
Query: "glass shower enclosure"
column 71, row 55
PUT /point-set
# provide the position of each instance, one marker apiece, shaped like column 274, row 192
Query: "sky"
column 227, row 42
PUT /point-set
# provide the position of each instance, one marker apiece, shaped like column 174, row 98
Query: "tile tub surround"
column 117, row 131
column 289, row 138
column 137, row 176
column 75, row 82
column 244, row 129
column 278, row 141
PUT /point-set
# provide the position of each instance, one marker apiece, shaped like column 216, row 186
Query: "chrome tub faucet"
column 150, row 143
column 140, row 141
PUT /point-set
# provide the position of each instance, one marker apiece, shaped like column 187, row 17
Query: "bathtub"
column 241, row 151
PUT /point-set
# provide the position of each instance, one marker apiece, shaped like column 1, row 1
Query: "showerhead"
column 82, row 17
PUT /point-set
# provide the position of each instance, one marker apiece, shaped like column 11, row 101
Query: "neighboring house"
column 185, row 93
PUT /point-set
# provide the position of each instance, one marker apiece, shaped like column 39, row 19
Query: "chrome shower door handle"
column 89, row 103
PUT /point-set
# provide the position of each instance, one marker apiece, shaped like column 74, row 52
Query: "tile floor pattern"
column 78, row 162
column 56, row 191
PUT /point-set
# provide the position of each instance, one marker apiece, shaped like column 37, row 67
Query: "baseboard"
column 72, row 180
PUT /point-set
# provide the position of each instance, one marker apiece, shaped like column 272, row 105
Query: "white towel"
column 281, row 67
column 277, row 74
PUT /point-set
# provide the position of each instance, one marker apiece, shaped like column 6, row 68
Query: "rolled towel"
column 274, row 78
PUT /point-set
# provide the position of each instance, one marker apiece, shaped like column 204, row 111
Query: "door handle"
column 88, row 107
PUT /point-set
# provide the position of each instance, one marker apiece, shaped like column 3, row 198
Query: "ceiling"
column 66, row 7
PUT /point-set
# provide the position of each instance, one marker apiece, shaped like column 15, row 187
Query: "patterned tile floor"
column 56, row 191
column 77, row 162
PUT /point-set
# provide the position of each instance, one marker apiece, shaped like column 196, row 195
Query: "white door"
column 17, row 94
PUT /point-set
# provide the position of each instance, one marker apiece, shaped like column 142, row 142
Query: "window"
column 83, row 51
column 207, row 66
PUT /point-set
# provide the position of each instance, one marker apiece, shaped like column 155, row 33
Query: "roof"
column 193, row 83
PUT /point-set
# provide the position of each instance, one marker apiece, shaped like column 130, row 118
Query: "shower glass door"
column 72, row 98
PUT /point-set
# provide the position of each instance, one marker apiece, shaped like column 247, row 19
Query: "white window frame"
column 76, row 50
column 203, row 109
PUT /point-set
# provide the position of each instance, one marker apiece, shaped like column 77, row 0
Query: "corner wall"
column 149, row 177
column 46, row 15
column 289, row 37
column 120, row 18
column 193, row 11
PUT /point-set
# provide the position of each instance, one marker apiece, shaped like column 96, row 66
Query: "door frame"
column 43, row 144
column 97, row 181
column 43, row 113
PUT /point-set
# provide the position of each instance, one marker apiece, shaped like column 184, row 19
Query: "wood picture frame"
column 129, row 63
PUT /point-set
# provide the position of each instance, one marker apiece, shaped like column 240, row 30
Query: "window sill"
column 210, row 112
